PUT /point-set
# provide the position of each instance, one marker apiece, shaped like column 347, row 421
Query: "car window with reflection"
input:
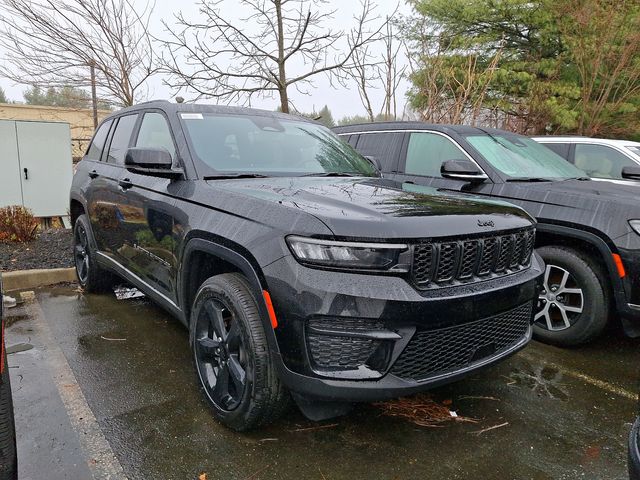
column 269, row 145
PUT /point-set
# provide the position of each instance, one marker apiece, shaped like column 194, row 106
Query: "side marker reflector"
column 272, row 313
column 619, row 265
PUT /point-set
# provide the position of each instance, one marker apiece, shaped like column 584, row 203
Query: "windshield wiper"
column 234, row 176
column 332, row 174
column 529, row 179
column 581, row 179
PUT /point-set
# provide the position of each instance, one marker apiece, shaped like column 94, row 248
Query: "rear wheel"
column 573, row 306
column 91, row 276
column 232, row 359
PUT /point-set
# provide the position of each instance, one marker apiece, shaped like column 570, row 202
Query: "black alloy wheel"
column 81, row 253
column 232, row 358
column 221, row 357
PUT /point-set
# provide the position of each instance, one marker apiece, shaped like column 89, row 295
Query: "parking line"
column 609, row 387
column 99, row 456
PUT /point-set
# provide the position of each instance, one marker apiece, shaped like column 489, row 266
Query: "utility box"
column 36, row 168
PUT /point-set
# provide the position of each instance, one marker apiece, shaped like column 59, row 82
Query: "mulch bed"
column 52, row 249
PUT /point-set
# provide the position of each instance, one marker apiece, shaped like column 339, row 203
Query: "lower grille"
column 436, row 352
column 341, row 352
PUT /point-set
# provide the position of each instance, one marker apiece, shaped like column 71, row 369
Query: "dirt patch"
column 52, row 249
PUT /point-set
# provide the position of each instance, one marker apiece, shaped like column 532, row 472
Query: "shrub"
column 17, row 224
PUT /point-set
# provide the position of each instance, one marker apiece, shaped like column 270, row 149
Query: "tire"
column 8, row 452
column 229, row 344
column 578, row 309
column 92, row 278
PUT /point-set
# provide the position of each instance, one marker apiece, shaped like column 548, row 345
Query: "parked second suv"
column 601, row 159
column 588, row 232
column 295, row 266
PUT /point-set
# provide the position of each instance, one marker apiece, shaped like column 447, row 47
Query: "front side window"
column 428, row 151
column 520, row 157
column 600, row 161
column 121, row 139
column 236, row 144
column 154, row 133
column 97, row 144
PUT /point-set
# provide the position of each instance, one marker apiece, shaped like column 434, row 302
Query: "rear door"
column 105, row 203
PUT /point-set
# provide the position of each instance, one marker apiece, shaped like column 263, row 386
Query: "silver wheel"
column 561, row 300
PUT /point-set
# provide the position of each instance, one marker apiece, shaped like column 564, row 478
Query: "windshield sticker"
column 191, row 116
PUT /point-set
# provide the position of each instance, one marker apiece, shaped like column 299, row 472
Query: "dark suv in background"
column 588, row 232
column 295, row 266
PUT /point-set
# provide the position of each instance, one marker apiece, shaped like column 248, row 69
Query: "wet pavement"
column 108, row 391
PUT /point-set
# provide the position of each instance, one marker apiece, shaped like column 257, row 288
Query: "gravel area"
column 52, row 249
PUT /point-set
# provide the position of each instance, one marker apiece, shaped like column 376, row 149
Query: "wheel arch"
column 229, row 257
column 588, row 244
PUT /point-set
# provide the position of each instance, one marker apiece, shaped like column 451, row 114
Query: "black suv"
column 588, row 232
column 295, row 266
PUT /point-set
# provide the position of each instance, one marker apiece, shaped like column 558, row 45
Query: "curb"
column 26, row 279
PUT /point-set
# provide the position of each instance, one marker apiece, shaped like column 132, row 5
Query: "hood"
column 575, row 194
column 381, row 208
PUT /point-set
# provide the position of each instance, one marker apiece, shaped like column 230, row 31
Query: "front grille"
column 340, row 352
column 469, row 260
column 436, row 352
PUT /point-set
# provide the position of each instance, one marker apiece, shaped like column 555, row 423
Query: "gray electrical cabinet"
column 36, row 166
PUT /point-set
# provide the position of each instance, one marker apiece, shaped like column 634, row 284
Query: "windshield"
column 522, row 157
column 264, row 145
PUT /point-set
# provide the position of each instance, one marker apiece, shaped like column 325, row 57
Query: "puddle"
column 542, row 380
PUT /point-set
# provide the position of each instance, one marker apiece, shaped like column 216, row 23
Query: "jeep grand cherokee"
column 588, row 232
column 295, row 267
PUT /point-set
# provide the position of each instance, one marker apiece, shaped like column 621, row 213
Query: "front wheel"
column 573, row 306
column 232, row 359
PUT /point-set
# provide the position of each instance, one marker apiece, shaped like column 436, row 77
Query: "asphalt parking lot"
column 105, row 389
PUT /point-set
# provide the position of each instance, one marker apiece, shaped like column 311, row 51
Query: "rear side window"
column 561, row 149
column 385, row 147
column 600, row 161
column 121, row 139
column 427, row 152
column 97, row 144
column 155, row 133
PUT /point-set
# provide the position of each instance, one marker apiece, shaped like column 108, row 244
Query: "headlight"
column 390, row 257
column 635, row 224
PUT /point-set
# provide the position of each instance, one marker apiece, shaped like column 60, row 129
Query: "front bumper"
column 354, row 337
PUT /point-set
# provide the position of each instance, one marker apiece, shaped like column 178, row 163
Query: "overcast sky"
column 341, row 101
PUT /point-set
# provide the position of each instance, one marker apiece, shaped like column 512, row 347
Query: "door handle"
column 125, row 184
column 93, row 174
column 26, row 173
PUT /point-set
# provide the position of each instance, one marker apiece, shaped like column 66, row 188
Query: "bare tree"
column 58, row 43
column 392, row 74
column 279, row 44
column 370, row 69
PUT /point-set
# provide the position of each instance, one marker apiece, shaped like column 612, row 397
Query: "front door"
column 150, row 217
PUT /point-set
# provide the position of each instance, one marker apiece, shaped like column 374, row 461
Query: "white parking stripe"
column 99, row 456
column 608, row 387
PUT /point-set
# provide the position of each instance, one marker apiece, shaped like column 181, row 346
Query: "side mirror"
column 464, row 170
column 631, row 173
column 155, row 162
